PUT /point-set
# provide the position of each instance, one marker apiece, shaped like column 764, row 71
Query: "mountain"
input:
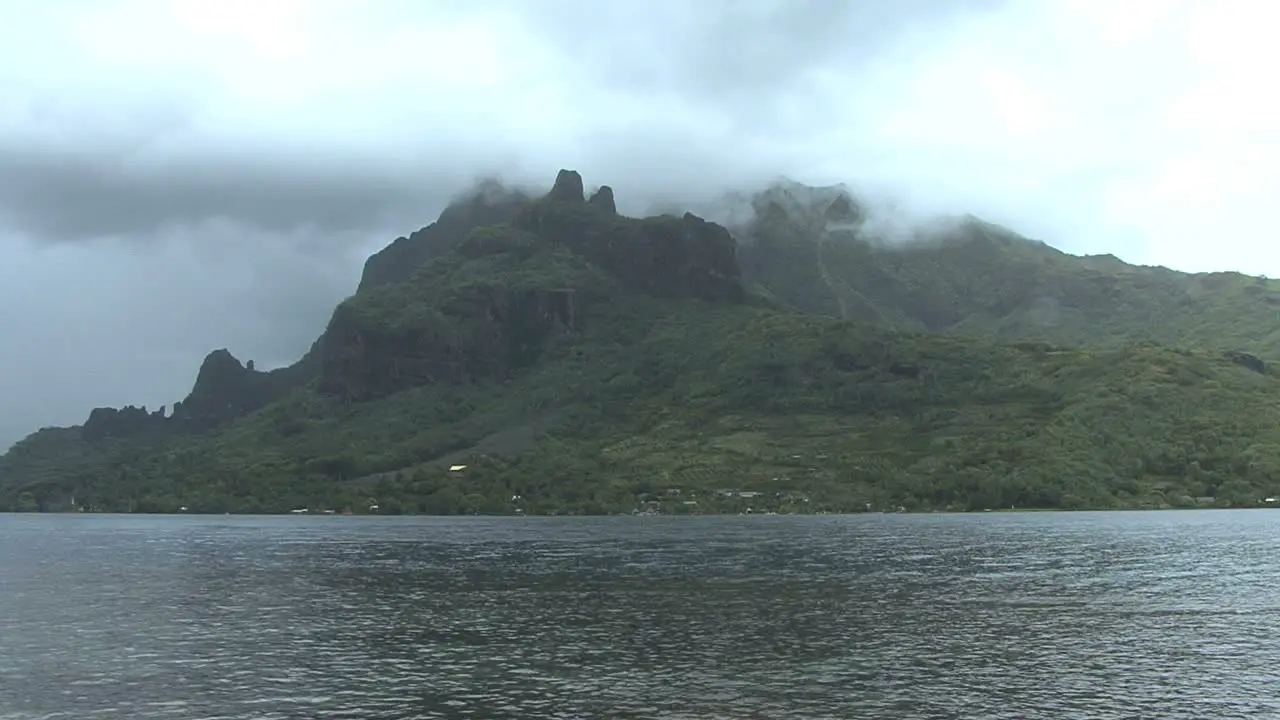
column 819, row 251
column 547, row 354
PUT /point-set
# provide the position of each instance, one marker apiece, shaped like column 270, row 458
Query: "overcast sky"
column 178, row 176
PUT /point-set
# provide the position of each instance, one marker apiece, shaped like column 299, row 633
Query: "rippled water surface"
column 1108, row 615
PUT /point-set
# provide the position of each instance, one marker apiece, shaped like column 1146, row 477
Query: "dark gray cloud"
column 177, row 177
column 114, row 323
column 83, row 196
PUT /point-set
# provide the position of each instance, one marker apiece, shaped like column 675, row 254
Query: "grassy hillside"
column 578, row 361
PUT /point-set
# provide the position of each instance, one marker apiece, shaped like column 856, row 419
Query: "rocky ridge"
column 375, row 344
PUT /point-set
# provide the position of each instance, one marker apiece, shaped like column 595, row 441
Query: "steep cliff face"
column 503, row 294
column 478, row 332
column 664, row 255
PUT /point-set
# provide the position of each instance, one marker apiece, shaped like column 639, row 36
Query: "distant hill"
column 546, row 354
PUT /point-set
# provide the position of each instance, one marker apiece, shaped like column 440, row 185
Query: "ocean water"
column 1038, row 615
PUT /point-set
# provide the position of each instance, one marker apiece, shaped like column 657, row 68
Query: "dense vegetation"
column 574, row 360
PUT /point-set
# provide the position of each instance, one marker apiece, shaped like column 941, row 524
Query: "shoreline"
column 1006, row 511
